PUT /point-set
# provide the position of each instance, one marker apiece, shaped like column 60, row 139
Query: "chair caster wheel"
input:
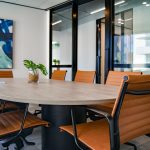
column 6, row 148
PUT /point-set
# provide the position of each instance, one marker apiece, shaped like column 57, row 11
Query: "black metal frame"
column 109, row 39
column 112, row 121
column 109, row 12
column 52, row 9
column 122, row 65
column 50, row 43
column 74, row 38
column 98, row 51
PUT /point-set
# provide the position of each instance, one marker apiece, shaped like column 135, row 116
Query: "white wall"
column 141, row 21
column 64, row 52
column 87, row 46
column 30, row 35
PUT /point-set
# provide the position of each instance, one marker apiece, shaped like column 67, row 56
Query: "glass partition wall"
column 61, row 52
column 73, row 36
column 128, row 48
column 88, row 57
column 132, row 36
column 123, row 43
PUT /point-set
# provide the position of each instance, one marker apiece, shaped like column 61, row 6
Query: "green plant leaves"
column 42, row 68
column 29, row 64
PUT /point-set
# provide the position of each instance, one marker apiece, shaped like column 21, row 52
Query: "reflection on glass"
column 132, row 36
column 123, row 39
column 62, row 36
column 88, row 13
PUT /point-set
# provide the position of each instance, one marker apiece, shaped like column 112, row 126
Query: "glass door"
column 62, row 40
column 132, row 36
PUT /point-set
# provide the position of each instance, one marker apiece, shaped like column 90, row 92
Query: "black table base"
column 52, row 137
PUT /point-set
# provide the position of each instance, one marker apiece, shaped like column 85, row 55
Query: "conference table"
column 56, row 99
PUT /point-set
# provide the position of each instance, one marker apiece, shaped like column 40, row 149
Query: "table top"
column 52, row 92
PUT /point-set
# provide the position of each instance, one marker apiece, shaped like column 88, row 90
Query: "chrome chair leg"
column 75, row 130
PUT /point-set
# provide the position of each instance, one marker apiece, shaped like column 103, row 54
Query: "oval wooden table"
column 56, row 99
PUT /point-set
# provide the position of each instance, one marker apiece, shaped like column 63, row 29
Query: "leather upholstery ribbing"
column 134, row 119
column 10, row 122
column 6, row 74
column 114, row 78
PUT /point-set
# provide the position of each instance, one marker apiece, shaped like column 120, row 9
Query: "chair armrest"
column 110, row 121
column 99, row 112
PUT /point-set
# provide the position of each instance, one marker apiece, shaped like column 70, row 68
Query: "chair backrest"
column 6, row 74
column 115, row 77
column 134, row 116
column 59, row 75
column 85, row 76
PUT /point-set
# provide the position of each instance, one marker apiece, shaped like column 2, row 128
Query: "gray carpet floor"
column 143, row 142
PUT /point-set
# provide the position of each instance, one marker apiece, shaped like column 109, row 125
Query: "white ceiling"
column 43, row 4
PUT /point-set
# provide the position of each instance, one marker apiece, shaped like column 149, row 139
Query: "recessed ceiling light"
column 103, row 8
column 54, row 42
column 57, row 22
column 144, row 3
column 98, row 10
column 120, row 2
column 147, row 5
column 128, row 19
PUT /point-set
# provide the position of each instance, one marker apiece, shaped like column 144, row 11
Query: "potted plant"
column 55, row 61
column 33, row 70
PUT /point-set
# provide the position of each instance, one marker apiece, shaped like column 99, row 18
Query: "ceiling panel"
column 50, row 3
column 37, row 3
column 34, row 3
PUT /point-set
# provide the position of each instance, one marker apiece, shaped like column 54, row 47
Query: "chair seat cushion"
column 10, row 122
column 93, row 134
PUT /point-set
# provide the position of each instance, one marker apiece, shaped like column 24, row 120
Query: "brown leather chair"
column 85, row 76
column 129, row 118
column 6, row 74
column 6, row 106
column 13, row 124
column 59, row 74
column 114, row 78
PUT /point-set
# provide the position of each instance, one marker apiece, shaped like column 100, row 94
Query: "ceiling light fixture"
column 147, row 5
column 57, row 22
column 144, row 3
column 103, row 8
column 98, row 10
column 120, row 2
column 54, row 42
column 119, row 19
column 128, row 19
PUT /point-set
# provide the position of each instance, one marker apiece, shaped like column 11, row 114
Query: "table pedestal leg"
column 52, row 138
